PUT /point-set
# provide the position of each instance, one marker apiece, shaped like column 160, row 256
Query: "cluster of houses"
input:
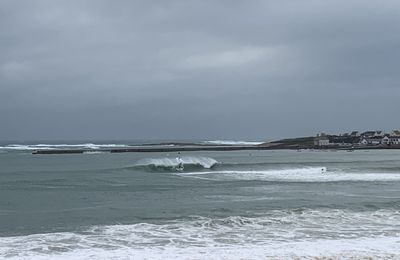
column 368, row 138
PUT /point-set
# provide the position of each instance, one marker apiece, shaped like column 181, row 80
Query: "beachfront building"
column 321, row 140
column 368, row 138
column 391, row 140
column 371, row 141
column 395, row 139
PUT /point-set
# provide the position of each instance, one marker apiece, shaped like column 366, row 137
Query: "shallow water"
column 229, row 205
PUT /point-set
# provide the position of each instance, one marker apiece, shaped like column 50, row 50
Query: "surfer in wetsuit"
column 180, row 163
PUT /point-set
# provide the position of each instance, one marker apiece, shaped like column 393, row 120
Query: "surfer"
column 180, row 166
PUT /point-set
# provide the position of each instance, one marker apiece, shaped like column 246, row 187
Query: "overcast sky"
column 244, row 70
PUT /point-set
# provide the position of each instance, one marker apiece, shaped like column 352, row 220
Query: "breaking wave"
column 23, row 147
column 95, row 152
column 314, row 174
column 229, row 142
column 168, row 164
column 277, row 234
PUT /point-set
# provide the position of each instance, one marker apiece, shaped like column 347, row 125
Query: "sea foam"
column 373, row 248
column 229, row 142
column 285, row 234
column 313, row 174
column 59, row 146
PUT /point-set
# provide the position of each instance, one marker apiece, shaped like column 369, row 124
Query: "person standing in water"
column 180, row 166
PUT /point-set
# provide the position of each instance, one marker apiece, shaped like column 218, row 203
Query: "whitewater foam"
column 59, row 146
column 314, row 174
column 375, row 248
column 229, row 142
column 279, row 234
column 94, row 152
column 173, row 163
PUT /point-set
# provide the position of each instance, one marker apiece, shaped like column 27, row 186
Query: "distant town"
column 373, row 139
column 357, row 139
column 347, row 141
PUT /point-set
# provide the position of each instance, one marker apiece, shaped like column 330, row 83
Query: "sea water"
column 221, row 205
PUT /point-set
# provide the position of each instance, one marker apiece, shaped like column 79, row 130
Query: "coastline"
column 299, row 143
column 147, row 148
column 141, row 206
column 191, row 148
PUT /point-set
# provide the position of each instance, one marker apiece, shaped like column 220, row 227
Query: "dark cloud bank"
column 197, row 69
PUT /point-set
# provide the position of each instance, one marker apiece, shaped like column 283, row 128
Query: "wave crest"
column 28, row 147
column 172, row 164
column 230, row 142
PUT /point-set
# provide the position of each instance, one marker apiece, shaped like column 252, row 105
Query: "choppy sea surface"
column 221, row 205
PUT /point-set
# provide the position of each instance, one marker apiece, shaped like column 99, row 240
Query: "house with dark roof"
column 391, row 140
column 371, row 141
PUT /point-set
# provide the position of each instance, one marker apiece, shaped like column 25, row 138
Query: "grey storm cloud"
column 197, row 69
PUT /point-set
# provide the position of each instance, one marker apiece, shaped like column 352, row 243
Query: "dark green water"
column 139, row 205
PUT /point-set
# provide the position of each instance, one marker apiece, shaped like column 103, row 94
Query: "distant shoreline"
column 148, row 148
column 191, row 148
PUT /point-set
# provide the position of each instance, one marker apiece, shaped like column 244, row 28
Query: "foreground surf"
column 289, row 234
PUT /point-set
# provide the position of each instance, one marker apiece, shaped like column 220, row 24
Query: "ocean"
column 280, row 204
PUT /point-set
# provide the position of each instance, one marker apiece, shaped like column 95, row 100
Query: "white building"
column 321, row 141
column 391, row 140
column 371, row 141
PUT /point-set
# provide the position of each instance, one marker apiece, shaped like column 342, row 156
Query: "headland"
column 347, row 141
